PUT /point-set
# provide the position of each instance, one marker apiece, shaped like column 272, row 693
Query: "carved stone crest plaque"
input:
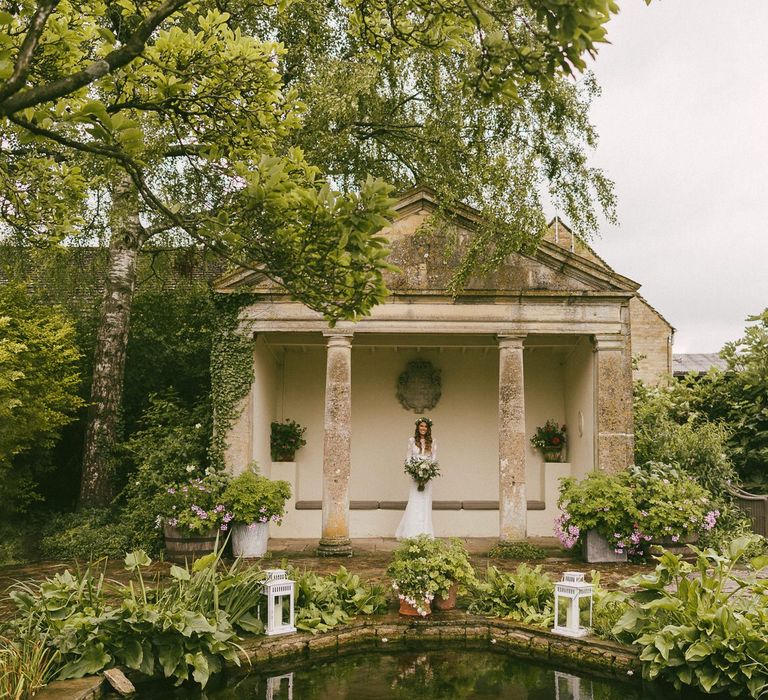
column 418, row 388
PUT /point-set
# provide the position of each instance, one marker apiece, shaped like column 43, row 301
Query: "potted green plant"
column 254, row 502
column 629, row 511
column 550, row 438
column 286, row 439
column 193, row 514
column 454, row 573
column 425, row 570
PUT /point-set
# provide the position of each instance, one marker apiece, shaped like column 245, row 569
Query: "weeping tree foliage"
column 273, row 133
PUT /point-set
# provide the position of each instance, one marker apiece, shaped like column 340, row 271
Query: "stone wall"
column 651, row 342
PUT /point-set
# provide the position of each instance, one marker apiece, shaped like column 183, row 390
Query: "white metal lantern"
column 278, row 589
column 574, row 589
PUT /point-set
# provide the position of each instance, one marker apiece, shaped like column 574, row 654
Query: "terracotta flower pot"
column 449, row 601
column 407, row 609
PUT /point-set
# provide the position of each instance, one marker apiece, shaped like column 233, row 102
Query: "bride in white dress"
column 417, row 519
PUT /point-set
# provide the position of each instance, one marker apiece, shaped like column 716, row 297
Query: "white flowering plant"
column 421, row 469
column 196, row 505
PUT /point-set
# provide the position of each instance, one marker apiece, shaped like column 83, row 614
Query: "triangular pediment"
column 428, row 244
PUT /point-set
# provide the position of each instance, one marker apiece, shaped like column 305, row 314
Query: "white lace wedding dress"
column 417, row 519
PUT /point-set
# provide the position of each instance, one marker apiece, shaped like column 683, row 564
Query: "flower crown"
column 424, row 419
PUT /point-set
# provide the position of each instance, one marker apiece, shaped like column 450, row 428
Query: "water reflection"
column 570, row 687
column 275, row 687
column 424, row 675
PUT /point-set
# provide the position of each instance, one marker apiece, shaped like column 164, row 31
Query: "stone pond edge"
column 394, row 633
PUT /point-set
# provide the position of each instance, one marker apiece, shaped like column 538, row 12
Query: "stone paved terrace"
column 369, row 561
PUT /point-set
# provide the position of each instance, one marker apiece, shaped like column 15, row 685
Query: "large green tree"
column 39, row 379
column 150, row 119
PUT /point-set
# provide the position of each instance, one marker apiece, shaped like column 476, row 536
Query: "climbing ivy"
column 231, row 370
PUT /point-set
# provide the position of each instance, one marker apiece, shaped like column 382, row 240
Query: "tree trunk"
column 111, row 341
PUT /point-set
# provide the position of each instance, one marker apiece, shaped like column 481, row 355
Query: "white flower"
column 384, row 640
column 198, row 426
column 630, row 672
column 493, row 641
column 191, row 468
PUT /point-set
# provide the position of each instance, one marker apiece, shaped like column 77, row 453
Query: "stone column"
column 337, row 446
column 614, row 424
column 513, row 500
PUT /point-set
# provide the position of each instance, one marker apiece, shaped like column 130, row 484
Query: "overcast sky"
column 683, row 124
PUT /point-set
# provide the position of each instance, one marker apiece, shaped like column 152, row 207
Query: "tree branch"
column 28, row 46
column 118, row 58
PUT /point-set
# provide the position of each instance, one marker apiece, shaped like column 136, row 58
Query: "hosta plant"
column 703, row 624
column 323, row 602
column 183, row 626
column 527, row 595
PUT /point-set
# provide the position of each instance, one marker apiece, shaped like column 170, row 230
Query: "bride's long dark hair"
column 427, row 436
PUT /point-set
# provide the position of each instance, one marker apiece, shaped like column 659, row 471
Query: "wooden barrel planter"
column 181, row 547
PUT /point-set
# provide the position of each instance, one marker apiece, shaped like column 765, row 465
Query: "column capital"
column 609, row 341
column 338, row 337
column 510, row 340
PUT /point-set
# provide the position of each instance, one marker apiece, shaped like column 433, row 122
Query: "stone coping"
column 392, row 632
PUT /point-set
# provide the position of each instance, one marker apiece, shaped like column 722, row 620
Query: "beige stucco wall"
column 580, row 408
column 265, row 370
column 651, row 341
column 465, row 428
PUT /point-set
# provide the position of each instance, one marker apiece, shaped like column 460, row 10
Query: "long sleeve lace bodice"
column 415, row 450
column 417, row 519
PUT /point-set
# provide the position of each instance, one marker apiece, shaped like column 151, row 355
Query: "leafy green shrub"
column 322, row 602
column 39, row 380
column 669, row 430
column 702, row 625
column 424, row 567
column 527, row 595
column 602, row 502
column 517, row 550
column 171, row 447
column 183, row 625
column 252, row 498
column 86, row 535
column 738, row 399
column 286, row 440
column 634, row 507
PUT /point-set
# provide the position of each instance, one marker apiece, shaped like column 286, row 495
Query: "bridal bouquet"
column 422, row 469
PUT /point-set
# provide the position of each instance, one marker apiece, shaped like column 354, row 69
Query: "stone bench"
column 400, row 505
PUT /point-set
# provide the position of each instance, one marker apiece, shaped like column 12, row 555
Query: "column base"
column 335, row 547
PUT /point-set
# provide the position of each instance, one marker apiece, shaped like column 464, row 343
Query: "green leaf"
column 137, row 559
column 664, row 646
column 251, row 624
column 698, row 651
column 179, row 573
column 204, row 562
column 132, row 653
column 199, row 662
column 196, row 622
column 93, row 660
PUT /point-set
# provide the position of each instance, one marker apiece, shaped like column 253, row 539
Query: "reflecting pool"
column 418, row 675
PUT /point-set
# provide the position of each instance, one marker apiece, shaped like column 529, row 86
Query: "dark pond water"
column 412, row 675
